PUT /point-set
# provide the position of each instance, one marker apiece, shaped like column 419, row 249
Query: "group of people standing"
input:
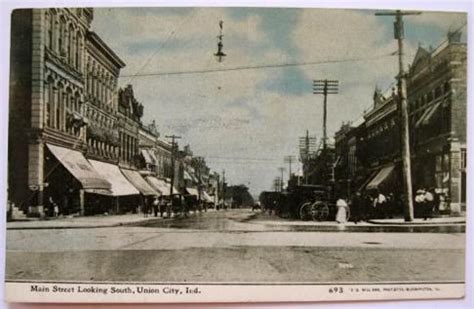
column 158, row 205
column 426, row 202
column 376, row 205
column 363, row 207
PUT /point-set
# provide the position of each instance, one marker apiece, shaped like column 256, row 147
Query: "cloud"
column 257, row 114
column 442, row 20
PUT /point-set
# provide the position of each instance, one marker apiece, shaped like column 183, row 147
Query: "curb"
column 423, row 223
column 53, row 227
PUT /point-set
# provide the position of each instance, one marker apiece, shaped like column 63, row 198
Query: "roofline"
column 95, row 38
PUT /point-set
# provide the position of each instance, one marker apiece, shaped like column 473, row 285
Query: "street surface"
column 237, row 246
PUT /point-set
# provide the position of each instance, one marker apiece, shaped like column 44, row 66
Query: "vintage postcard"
column 207, row 154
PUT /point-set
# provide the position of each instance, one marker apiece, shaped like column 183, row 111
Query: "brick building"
column 47, row 99
column 64, row 116
column 437, row 111
column 437, row 99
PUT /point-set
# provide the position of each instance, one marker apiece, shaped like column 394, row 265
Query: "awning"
column 151, row 152
column 137, row 180
column 206, row 197
column 381, row 176
column 160, row 185
column 192, row 191
column 420, row 120
column 146, row 156
column 120, row 185
column 187, row 176
column 429, row 116
column 75, row 162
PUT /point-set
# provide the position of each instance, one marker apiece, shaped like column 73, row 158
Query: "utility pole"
column 281, row 169
column 307, row 149
column 325, row 87
column 200, row 164
column 403, row 110
column 223, row 188
column 289, row 160
column 173, row 157
column 276, row 184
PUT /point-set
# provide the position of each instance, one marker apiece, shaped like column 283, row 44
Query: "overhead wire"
column 263, row 66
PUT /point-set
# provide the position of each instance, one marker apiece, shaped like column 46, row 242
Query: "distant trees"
column 240, row 195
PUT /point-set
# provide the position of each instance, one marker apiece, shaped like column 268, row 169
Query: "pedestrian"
column 390, row 206
column 156, row 206
column 366, row 206
column 161, row 205
column 53, row 208
column 56, row 210
column 419, row 203
column 342, row 211
column 429, row 204
column 380, row 203
column 145, row 208
column 356, row 205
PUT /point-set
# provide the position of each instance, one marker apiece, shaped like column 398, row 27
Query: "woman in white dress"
column 342, row 211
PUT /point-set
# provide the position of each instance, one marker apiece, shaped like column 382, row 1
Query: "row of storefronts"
column 76, row 139
column 368, row 149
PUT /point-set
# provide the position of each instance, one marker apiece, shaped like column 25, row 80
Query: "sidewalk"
column 274, row 220
column 81, row 222
column 420, row 221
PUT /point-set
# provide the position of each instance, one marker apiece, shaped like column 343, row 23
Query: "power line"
column 170, row 35
column 262, row 66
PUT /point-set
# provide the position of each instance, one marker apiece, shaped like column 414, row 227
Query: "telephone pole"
column 325, row 87
column 223, row 188
column 403, row 110
column 200, row 164
column 173, row 158
column 281, row 169
column 289, row 160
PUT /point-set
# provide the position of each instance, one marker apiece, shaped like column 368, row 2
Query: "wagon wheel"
column 306, row 211
column 321, row 211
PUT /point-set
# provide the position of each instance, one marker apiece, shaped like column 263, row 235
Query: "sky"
column 247, row 121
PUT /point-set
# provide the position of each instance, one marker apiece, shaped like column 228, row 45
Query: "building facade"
column 64, row 116
column 101, row 103
column 437, row 99
column 129, row 114
column 437, row 113
column 47, row 100
column 155, row 153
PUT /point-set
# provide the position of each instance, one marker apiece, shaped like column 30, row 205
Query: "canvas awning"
column 152, row 155
column 381, row 176
column 160, row 185
column 146, row 156
column 427, row 115
column 192, row 191
column 206, row 197
column 120, row 185
column 187, row 176
column 431, row 113
column 75, row 162
column 137, row 180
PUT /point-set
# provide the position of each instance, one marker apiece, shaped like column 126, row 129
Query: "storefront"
column 124, row 196
column 69, row 178
column 140, row 183
column 161, row 186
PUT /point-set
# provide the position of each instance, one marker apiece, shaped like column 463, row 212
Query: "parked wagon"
column 307, row 202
